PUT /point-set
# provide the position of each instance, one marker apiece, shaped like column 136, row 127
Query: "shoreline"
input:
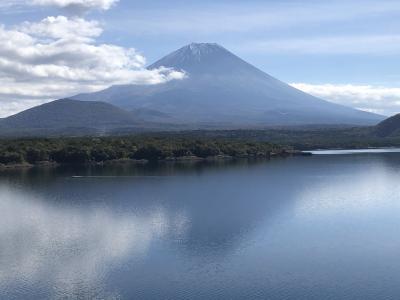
column 282, row 154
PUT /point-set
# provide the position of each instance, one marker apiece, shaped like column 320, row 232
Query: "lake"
column 318, row 227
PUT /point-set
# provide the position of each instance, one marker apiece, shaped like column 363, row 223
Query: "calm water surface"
column 320, row 227
column 356, row 151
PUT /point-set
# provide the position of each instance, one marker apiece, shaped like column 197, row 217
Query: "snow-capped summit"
column 203, row 48
column 192, row 52
column 202, row 58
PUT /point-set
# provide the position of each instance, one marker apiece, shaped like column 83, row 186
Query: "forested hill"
column 67, row 113
column 389, row 127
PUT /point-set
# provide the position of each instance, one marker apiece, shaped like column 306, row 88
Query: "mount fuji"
column 223, row 91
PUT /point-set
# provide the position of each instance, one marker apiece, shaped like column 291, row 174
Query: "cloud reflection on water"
column 73, row 245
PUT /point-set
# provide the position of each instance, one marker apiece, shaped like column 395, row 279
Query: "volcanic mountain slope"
column 222, row 90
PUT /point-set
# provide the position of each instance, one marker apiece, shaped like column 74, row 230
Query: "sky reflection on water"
column 322, row 227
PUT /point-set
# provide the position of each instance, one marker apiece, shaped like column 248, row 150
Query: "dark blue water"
column 321, row 227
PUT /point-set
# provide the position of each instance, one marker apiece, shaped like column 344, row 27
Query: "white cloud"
column 378, row 99
column 59, row 56
column 74, row 7
column 77, row 4
column 62, row 28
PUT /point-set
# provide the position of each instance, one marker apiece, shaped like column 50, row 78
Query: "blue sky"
column 344, row 51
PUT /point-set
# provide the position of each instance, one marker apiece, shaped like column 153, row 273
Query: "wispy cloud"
column 347, row 44
column 77, row 6
column 378, row 99
column 99, row 4
column 12, row 6
column 222, row 17
column 10, row 3
column 83, row 4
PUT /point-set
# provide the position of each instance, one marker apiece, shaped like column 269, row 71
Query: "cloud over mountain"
column 60, row 56
column 78, row 4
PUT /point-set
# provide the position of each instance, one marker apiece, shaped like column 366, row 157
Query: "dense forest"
column 149, row 148
column 302, row 138
column 181, row 145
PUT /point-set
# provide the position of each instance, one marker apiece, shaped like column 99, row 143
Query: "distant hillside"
column 67, row 116
column 388, row 127
column 69, row 113
column 223, row 91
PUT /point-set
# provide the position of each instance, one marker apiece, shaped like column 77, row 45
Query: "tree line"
column 96, row 150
